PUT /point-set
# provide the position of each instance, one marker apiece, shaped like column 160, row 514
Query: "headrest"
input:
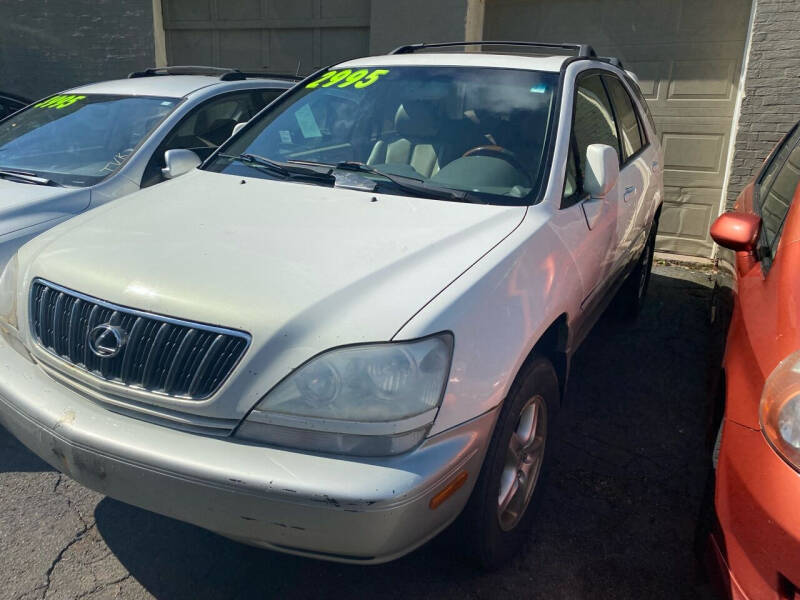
column 417, row 119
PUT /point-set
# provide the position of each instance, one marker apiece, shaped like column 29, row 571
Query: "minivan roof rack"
column 224, row 74
column 582, row 50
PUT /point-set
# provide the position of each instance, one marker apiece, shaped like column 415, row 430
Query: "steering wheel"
column 498, row 152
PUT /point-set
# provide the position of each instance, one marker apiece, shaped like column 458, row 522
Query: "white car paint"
column 304, row 269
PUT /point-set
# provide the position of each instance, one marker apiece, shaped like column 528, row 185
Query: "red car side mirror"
column 737, row 231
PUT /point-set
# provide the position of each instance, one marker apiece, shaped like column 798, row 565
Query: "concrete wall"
column 771, row 104
column 48, row 46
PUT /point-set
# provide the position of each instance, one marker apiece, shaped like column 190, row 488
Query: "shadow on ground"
column 617, row 520
column 14, row 457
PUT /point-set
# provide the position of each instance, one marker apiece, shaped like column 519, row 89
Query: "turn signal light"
column 448, row 490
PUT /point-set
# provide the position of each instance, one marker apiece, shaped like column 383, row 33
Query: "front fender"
column 498, row 310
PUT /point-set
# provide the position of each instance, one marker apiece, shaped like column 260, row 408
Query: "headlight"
column 780, row 410
column 8, row 295
column 366, row 400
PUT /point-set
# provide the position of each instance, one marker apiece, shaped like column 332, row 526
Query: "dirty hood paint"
column 302, row 268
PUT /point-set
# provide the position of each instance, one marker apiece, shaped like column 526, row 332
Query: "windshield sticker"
column 539, row 89
column 286, row 136
column 116, row 162
column 308, row 124
column 60, row 101
column 360, row 78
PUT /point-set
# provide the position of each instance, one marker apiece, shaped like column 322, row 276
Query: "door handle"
column 629, row 191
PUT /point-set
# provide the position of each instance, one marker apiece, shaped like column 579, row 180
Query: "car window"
column 775, row 191
column 79, row 139
column 643, row 103
column 475, row 129
column 572, row 184
column 629, row 126
column 593, row 123
column 264, row 97
column 207, row 126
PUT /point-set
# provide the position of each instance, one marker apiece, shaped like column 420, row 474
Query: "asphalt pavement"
column 617, row 520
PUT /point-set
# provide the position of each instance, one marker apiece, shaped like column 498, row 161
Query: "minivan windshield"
column 479, row 130
column 79, row 139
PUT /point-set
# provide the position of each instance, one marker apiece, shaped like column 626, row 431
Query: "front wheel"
column 498, row 518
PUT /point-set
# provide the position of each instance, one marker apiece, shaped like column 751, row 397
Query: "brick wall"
column 771, row 104
column 49, row 45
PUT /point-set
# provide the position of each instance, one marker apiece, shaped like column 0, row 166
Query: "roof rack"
column 612, row 60
column 223, row 73
column 583, row 50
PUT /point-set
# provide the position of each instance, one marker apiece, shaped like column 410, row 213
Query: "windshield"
column 78, row 140
column 476, row 130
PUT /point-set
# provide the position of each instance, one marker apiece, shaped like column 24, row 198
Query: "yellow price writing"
column 359, row 78
column 61, row 101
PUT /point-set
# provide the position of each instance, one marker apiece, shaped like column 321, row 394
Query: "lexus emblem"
column 107, row 340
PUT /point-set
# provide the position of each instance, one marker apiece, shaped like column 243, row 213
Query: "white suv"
column 354, row 322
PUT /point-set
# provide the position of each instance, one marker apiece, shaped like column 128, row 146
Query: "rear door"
column 587, row 225
column 636, row 175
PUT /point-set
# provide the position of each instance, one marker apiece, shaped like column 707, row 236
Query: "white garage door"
column 688, row 55
column 265, row 34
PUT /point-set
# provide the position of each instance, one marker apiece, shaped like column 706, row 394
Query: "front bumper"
column 336, row 508
column 757, row 495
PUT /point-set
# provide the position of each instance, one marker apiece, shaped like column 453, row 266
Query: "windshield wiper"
column 286, row 170
column 408, row 184
column 27, row 177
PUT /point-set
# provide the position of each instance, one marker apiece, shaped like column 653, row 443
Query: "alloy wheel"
column 523, row 463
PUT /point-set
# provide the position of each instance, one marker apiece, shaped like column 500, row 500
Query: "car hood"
column 302, row 268
column 25, row 204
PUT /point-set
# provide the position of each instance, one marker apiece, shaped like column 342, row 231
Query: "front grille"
column 159, row 354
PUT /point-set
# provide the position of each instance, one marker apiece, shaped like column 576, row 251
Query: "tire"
column 633, row 292
column 495, row 530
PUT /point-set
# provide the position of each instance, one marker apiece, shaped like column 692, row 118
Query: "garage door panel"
column 685, row 218
column 693, row 156
column 702, row 80
column 539, row 21
column 342, row 43
column 241, row 10
column 242, row 48
column 687, row 80
column 266, row 34
column 694, row 152
column 190, row 47
column 726, row 19
column 290, row 9
column 345, row 8
column 187, row 10
column 287, row 46
column 632, row 20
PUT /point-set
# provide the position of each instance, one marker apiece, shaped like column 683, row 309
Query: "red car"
column 755, row 540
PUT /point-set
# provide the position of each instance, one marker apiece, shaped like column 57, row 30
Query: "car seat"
column 414, row 141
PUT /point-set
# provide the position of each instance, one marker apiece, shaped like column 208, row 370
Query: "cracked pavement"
column 617, row 520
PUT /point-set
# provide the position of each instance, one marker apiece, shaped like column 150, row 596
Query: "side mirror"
column 737, row 231
column 237, row 128
column 602, row 170
column 178, row 162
